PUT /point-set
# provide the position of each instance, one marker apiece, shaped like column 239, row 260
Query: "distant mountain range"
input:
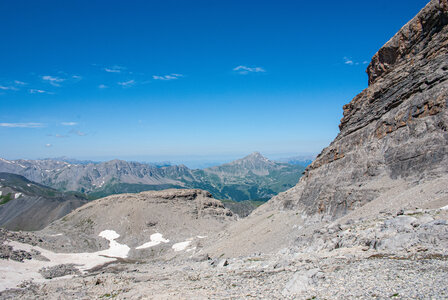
column 253, row 177
column 298, row 160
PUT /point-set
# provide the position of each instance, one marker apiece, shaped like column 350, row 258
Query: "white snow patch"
column 444, row 208
column 201, row 236
column 13, row 273
column 6, row 161
column 28, row 185
column 156, row 239
column 181, row 246
column 1, row 193
column 115, row 249
column 109, row 234
column 191, row 249
column 17, row 195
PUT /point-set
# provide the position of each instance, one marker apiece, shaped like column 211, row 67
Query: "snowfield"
column 13, row 273
column 181, row 246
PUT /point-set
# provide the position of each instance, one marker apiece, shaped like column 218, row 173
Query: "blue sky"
column 182, row 80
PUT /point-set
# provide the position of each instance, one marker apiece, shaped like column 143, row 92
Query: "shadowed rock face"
column 26, row 205
column 394, row 130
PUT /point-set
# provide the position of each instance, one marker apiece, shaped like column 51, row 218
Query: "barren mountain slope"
column 26, row 205
column 174, row 215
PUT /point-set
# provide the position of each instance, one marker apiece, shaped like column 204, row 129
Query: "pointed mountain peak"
column 255, row 156
column 253, row 163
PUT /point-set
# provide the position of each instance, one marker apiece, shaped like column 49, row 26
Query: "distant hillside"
column 26, row 205
column 303, row 160
column 253, row 177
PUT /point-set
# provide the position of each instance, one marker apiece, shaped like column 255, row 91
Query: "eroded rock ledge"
column 394, row 129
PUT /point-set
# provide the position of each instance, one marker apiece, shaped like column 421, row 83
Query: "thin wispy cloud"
column 22, row 125
column 171, row 76
column 67, row 77
column 349, row 61
column 38, row 91
column 48, row 145
column 12, row 86
column 246, row 70
column 78, row 133
column 53, row 80
column 8, row 88
column 69, row 134
column 114, row 69
column 102, row 86
column 127, row 83
column 76, row 78
column 69, row 123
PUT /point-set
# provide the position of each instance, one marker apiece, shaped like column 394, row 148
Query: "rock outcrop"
column 391, row 153
column 394, row 131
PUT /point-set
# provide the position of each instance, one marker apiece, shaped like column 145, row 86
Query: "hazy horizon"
column 191, row 161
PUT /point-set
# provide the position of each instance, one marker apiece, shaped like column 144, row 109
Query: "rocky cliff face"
column 390, row 156
column 394, row 131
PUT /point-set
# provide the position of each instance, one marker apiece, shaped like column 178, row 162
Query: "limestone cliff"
column 394, row 132
column 390, row 156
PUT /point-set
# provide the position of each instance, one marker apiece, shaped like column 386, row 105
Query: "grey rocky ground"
column 59, row 271
column 402, row 255
column 364, row 275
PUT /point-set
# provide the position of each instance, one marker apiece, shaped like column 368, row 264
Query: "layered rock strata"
column 396, row 130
